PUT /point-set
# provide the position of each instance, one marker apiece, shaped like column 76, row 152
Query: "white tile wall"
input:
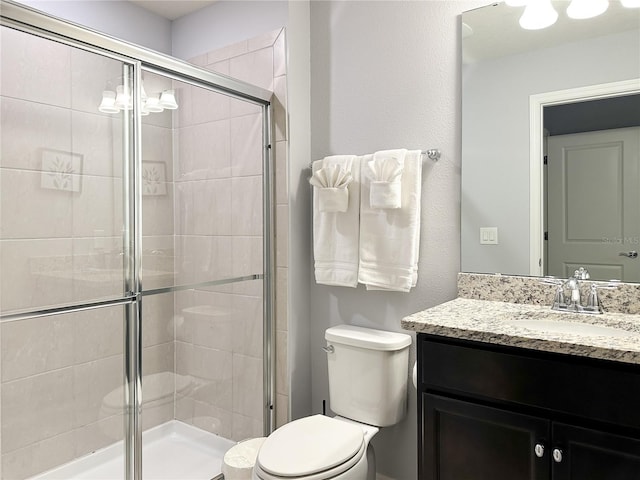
column 35, row 69
column 22, row 122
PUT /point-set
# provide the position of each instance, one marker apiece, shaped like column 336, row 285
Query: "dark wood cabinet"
column 475, row 442
column 593, row 454
column 499, row 413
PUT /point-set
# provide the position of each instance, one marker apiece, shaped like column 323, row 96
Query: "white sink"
column 571, row 328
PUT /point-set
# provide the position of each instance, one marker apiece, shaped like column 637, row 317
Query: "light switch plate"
column 488, row 235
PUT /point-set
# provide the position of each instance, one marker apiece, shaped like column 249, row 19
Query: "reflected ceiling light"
column 538, row 14
column 581, row 9
column 108, row 104
column 516, row 3
column 631, row 3
column 168, row 100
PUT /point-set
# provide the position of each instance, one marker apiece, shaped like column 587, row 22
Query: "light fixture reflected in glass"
column 153, row 105
column 121, row 99
column 581, row 9
column 538, row 14
column 630, row 3
column 108, row 104
column 168, row 100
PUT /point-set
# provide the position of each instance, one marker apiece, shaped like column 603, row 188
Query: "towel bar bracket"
column 432, row 154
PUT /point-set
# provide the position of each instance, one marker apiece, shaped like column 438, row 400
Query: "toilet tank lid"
column 367, row 338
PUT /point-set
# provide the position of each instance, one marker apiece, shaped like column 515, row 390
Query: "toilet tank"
column 368, row 374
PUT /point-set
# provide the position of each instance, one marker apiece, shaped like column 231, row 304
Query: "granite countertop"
column 496, row 322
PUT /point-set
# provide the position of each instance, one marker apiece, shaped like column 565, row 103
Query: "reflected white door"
column 593, row 204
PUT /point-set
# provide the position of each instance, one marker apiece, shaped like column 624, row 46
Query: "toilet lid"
column 310, row 445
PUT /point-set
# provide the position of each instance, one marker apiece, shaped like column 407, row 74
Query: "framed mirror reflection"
column 568, row 94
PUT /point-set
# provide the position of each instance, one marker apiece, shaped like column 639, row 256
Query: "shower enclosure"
column 136, row 258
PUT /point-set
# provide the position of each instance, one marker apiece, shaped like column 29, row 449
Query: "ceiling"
column 172, row 9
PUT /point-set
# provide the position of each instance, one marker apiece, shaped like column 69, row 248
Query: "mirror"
column 522, row 91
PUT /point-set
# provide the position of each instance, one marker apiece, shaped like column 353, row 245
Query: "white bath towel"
column 385, row 173
column 336, row 234
column 331, row 184
column 390, row 238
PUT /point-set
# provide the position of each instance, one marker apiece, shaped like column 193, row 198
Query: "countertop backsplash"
column 531, row 291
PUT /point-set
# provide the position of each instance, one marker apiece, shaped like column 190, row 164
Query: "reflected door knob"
column 631, row 254
column 557, row 455
column 539, row 449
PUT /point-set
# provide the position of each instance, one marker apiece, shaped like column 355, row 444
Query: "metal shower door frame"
column 137, row 60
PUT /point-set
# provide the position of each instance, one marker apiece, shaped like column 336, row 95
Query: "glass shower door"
column 135, row 284
column 62, row 249
column 202, row 269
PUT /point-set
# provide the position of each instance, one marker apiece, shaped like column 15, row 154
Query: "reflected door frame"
column 536, row 153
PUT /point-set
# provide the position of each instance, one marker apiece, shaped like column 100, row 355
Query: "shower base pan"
column 171, row 451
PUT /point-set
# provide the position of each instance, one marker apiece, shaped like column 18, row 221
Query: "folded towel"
column 390, row 238
column 385, row 173
column 331, row 184
column 336, row 234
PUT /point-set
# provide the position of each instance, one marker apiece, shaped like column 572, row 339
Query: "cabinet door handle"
column 557, row 455
column 539, row 449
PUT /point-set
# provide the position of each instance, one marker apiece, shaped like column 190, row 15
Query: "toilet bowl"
column 318, row 448
column 368, row 376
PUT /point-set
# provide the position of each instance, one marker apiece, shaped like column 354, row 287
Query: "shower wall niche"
column 68, row 245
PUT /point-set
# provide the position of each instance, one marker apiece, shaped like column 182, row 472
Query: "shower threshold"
column 171, row 451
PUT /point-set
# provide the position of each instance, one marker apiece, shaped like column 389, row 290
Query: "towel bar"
column 432, row 154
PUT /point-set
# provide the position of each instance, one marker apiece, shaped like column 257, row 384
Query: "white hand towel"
column 336, row 234
column 390, row 238
column 385, row 173
column 331, row 184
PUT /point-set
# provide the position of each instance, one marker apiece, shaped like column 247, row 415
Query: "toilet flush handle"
column 329, row 349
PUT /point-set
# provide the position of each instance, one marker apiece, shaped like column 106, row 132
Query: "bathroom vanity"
column 501, row 401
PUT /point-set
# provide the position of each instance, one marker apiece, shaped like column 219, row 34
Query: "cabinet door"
column 594, row 455
column 465, row 441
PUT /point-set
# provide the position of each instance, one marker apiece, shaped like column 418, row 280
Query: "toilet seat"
column 312, row 448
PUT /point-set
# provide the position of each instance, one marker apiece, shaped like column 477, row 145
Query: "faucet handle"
column 581, row 274
column 558, row 298
column 593, row 301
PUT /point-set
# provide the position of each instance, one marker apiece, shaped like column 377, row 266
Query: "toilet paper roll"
column 415, row 375
column 239, row 460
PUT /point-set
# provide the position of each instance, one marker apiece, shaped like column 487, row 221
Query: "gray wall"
column 387, row 75
column 495, row 181
column 119, row 19
column 224, row 23
column 299, row 108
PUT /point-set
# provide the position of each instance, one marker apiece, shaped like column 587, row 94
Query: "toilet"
column 368, row 372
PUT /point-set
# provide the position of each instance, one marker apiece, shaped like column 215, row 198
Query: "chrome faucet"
column 573, row 302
